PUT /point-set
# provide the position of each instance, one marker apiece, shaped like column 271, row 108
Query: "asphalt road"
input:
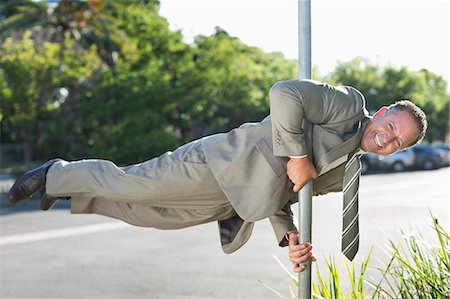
column 58, row 255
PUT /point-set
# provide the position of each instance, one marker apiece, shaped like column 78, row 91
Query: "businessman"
column 242, row 176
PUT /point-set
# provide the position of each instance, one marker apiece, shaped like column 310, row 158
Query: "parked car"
column 427, row 157
column 399, row 161
column 444, row 150
column 396, row 162
column 369, row 162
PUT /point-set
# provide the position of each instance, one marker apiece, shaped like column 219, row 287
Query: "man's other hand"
column 299, row 253
column 300, row 171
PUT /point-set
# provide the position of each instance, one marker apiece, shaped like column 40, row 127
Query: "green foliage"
column 20, row 15
column 31, row 80
column 110, row 79
column 330, row 286
column 77, row 20
column 233, row 80
column 418, row 268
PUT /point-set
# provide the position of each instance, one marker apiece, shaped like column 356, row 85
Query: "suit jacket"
column 249, row 162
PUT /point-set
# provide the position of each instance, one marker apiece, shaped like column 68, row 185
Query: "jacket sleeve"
column 282, row 222
column 293, row 101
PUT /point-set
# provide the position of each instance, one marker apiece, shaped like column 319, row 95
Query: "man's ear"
column 380, row 112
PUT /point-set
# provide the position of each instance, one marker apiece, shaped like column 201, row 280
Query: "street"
column 58, row 255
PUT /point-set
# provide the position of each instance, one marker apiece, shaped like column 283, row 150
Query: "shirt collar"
column 361, row 152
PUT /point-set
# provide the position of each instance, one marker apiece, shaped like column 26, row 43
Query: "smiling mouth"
column 377, row 141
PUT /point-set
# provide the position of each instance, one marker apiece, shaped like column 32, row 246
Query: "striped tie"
column 350, row 226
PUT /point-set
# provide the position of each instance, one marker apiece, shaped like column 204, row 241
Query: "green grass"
column 417, row 268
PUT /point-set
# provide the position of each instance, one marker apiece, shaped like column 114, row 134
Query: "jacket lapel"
column 339, row 154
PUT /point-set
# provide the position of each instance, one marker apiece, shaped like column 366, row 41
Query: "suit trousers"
column 174, row 190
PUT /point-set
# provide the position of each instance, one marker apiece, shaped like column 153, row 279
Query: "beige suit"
column 236, row 178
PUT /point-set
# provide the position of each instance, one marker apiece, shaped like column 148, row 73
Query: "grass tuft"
column 417, row 268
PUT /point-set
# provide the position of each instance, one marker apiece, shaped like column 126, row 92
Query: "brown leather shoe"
column 49, row 202
column 30, row 183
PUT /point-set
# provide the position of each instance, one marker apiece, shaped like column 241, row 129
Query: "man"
column 239, row 177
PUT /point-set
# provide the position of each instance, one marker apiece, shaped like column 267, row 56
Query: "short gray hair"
column 417, row 114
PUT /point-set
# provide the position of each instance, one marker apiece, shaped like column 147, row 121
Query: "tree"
column 125, row 117
column 234, row 80
column 34, row 85
column 361, row 74
column 49, row 22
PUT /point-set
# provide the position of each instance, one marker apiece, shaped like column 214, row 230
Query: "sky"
column 414, row 34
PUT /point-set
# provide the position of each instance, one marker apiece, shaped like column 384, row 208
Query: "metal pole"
column 305, row 194
column 304, row 39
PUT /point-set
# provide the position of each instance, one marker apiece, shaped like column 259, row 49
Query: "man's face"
column 387, row 133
